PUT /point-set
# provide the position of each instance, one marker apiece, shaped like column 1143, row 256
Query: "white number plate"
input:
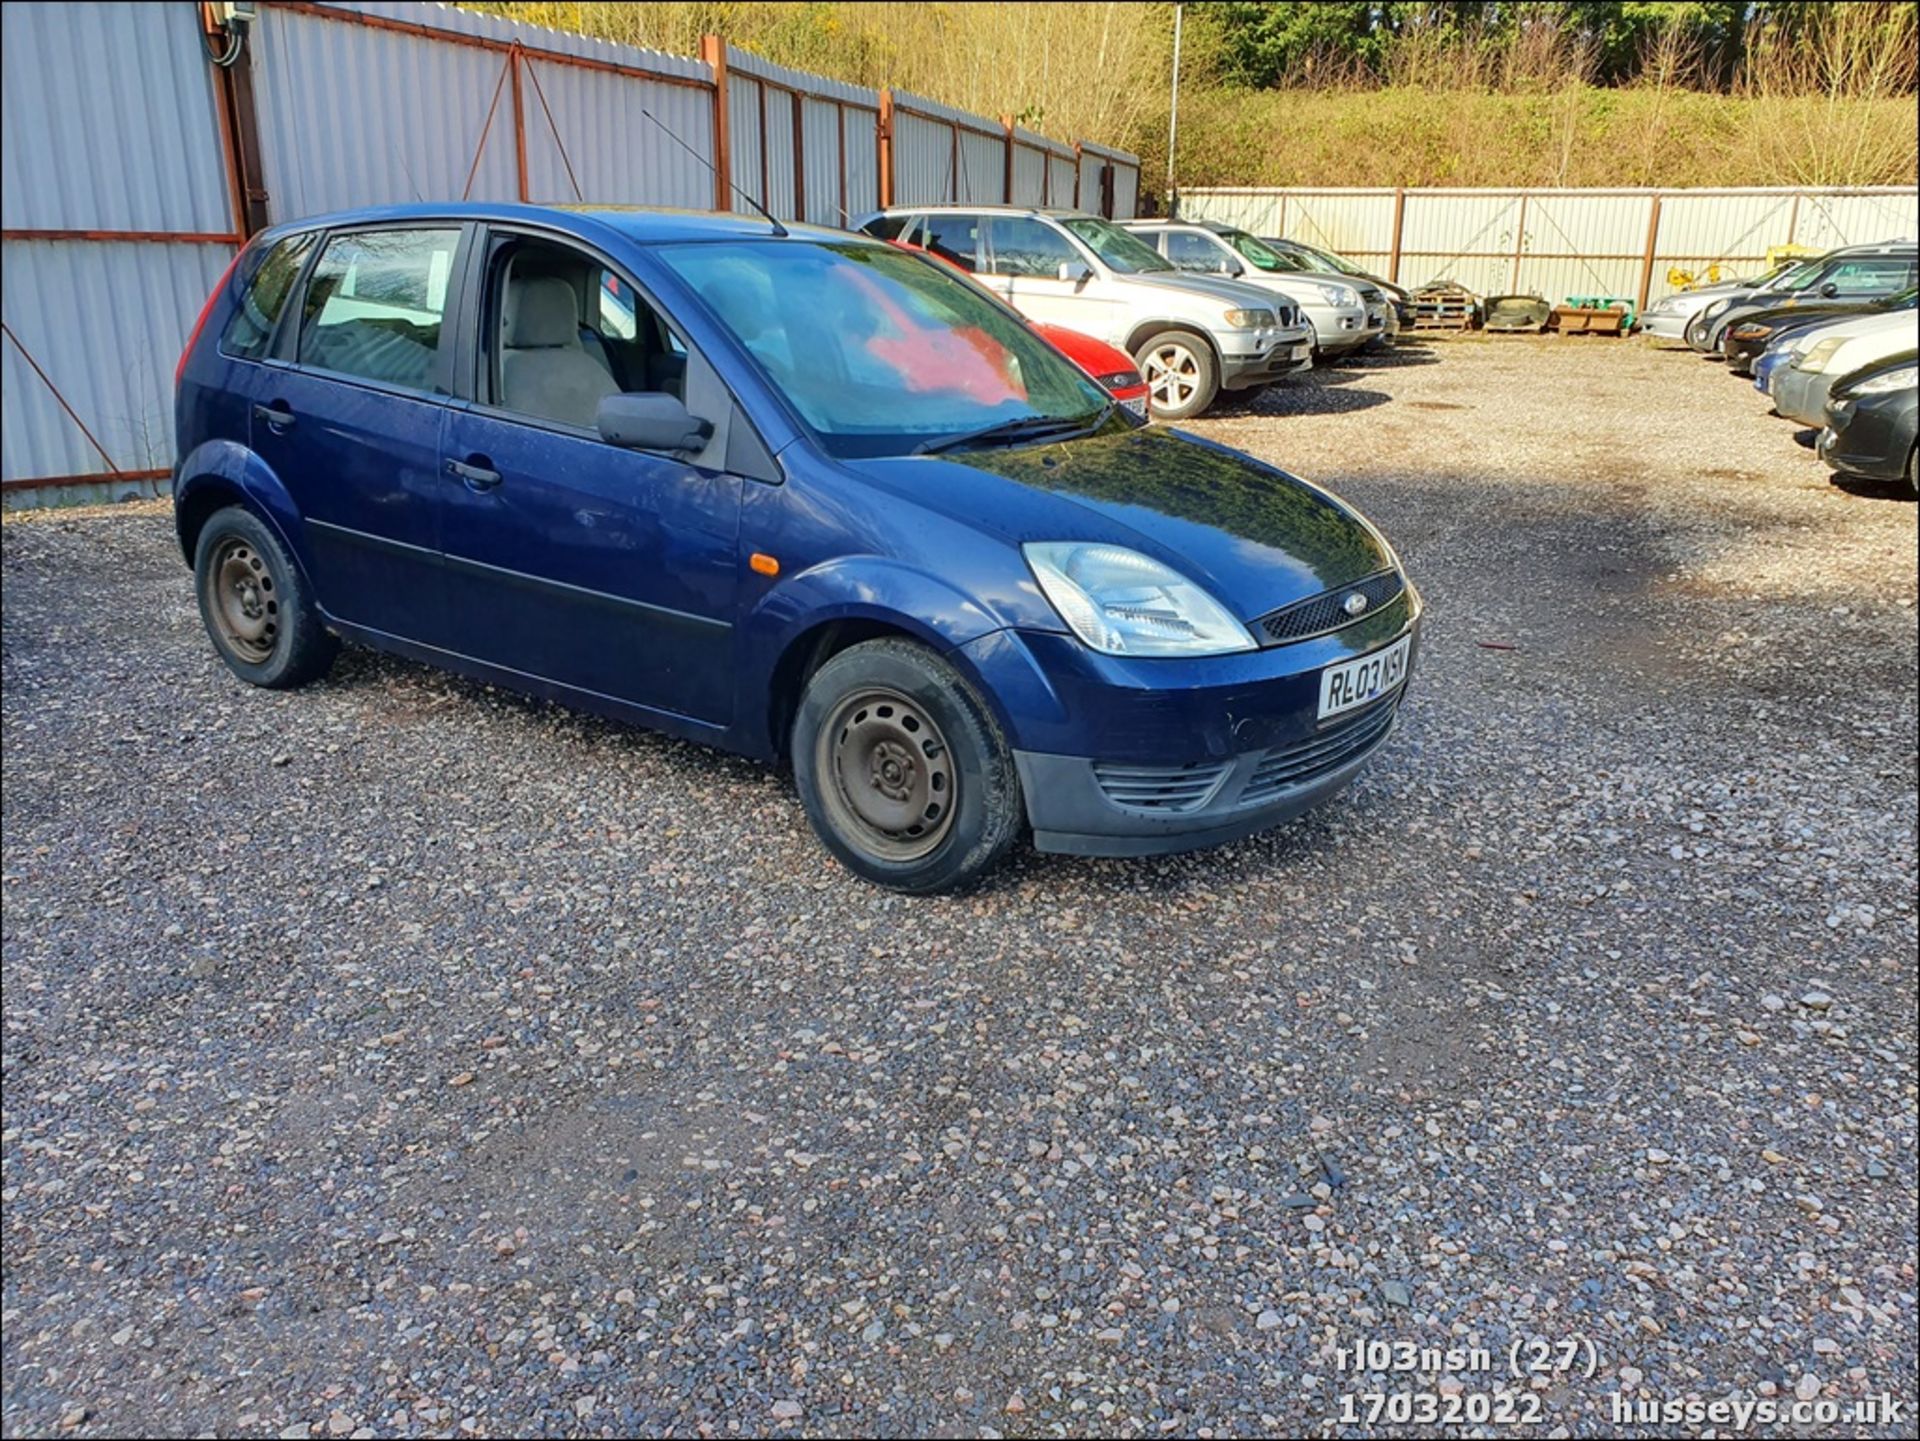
column 1355, row 682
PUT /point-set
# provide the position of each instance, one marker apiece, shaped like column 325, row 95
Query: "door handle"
column 477, row 477
column 277, row 416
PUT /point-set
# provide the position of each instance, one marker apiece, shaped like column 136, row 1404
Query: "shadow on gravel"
column 1325, row 397
column 1397, row 357
column 1873, row 489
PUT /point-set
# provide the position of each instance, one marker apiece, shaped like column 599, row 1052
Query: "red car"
column 1112, row 368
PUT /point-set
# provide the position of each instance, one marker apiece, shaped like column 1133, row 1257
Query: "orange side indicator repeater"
column 763, row 563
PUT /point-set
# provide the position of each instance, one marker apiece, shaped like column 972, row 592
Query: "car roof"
column 647, row 225
column 1161, row 222
column 1056, row 212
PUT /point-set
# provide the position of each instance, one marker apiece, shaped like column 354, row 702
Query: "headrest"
column 541, row 313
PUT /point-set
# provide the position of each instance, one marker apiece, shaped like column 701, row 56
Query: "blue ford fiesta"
column 791, row 492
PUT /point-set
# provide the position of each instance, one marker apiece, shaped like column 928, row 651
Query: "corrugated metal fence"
column 133, row 167
column 1628, row 243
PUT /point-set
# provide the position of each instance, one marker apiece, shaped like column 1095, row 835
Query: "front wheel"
column 904, row 774
column 1181, row 377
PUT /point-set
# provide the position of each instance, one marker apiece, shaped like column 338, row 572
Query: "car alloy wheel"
column 241, row 601
column 1173, row 375
column 891, row 782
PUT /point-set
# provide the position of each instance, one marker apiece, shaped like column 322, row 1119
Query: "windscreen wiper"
column 1025, row 427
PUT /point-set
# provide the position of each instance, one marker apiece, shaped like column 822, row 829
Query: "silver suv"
column 1346, row 313
column 1192, row 336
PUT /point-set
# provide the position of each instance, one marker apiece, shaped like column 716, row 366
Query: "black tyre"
column 1181, row 376
column 255, row 606
column 902, row 769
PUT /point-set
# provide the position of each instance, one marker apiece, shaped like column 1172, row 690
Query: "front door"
column 606, row 570
column 1026, row 259
column 352, row 426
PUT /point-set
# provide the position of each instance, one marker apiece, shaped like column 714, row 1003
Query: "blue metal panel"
column 105, row 321
column 109, row 117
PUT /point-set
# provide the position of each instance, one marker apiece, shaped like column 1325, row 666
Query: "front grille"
column 1165, row 790
column 1297, row 764
column 1289, row 317
column 1318, row 614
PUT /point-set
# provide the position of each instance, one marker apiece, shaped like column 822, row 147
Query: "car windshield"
column 1128, row 254
column 1264, row 256
column 1797, row 277
column 883, row 352
column 1332, row 262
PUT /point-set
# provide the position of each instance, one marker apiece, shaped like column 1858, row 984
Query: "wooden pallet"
column 1443, row 310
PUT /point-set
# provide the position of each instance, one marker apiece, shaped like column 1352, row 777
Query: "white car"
column 1345, row 313
column 1799, row 388
column 1192, row 336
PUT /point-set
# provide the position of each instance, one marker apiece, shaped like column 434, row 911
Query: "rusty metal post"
column 884, row 139
column 800, row 159
column 1076, row 175
column 1006, row 122
column 1519, row 243
column 1399, row 221
column 239, row 120
column 713, row 50
column 519, row 126
column 1646, row 256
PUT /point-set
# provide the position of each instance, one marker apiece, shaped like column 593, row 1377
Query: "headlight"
column 1715, row 308
column 1814, row 362
column 1250, row 319
column 1752, row 332
column 1120, row 602
column 1344, row 295
column 1663, row 306
column 1902, row 379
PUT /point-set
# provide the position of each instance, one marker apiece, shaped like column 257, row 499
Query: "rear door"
column 602, row 569
column 351, row 422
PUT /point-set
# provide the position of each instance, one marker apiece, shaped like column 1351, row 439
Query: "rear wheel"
column 1913, row 472
column 1181, row 377
column 255, row 606
column 904, row 774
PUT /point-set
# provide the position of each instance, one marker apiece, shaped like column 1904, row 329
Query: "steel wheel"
column 241, row 601
column 889, row 775
column 1173, row 374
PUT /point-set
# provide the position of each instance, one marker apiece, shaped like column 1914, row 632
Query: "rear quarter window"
column 251, row 330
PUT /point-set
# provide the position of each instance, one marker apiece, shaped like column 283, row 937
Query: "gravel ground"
column 403, row 1057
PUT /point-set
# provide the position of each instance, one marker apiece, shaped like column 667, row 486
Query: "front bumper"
column 1281, row 353
column 1667, row 326
column 1801, row 395
column 1144, row 757
column 1863, row 440
column 1339, row 329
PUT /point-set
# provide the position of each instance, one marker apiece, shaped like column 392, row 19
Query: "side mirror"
column 1075, row 271
column 650, row 420
column 1829, row 290
column 1235, row 269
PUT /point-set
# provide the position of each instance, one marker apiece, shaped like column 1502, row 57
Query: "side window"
column 566, row 332
column 1022, row 246
column 955, row 239
column 1875, row 275
column 1197, row 252
column 252, row 325
column 374, row 305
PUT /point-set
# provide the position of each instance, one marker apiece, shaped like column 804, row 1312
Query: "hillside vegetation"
column 1587, row 92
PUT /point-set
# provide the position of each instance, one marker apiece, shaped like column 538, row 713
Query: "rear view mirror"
column 1235, row 269
column 650, row 420
column 1075, row 271
column 1829, row 290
